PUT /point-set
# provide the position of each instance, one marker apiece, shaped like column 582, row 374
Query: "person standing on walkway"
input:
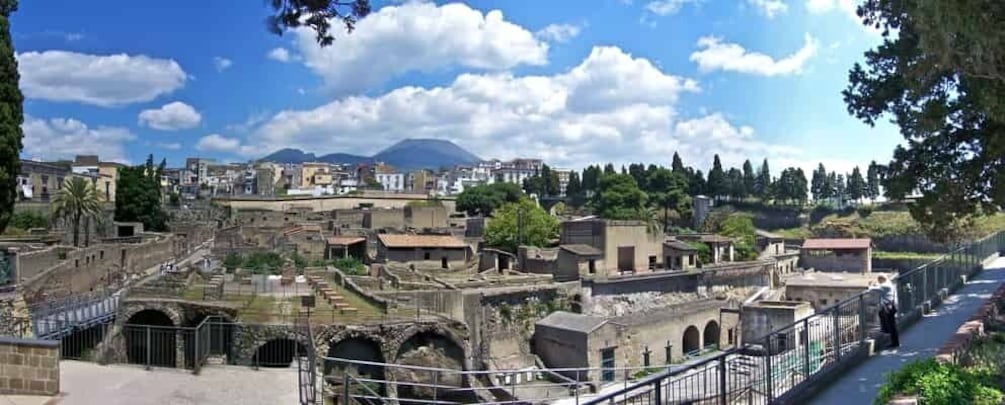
column 887, row 308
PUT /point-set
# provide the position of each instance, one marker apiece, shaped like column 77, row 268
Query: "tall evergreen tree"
column 840, row 189
column 609, row 169
column 734, row 183
column 11, row 117
column 856, row 185
column 818, row 184
column 748, row 178
column 717, row 179
column 590, row 176
column 762, row 184
column 872, row 181
column 574, row 190
column 696, row 181
column 678, row 165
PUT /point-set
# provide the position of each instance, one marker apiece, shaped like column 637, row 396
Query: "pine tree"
column 678, row 165
column 762, row 183
column 11, row 117
column 872, row 181
column 748, row 179
column 856, row 185
column 717, row 186
column 819, row 183
column 840, row 189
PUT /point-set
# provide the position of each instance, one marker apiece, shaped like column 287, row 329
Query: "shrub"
column 941, row 384
column 350, row 265
column 29, row 219
column 864, row 211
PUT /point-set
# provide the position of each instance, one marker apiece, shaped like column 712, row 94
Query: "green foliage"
column 484, row 199
column 174, row 200
column 138, row 196
column 740, row 227
column 704, row 252
column 232, row 262
column 264, row 263
column 76, row 201
column 503, row 231
column 864, row 211
column 11, row 117
column 299, row 261
column 941, row 76
column 29, row 219
column 316, row 15
column 350, row 265
column 941, row 384
column 619, row 197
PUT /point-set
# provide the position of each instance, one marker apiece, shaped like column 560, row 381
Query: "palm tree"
column 77, row 200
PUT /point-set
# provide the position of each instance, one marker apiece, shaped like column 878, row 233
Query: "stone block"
column 37, row 386
column 52, row 387
column 49, row 362
column 16, row 384
column 15, row 359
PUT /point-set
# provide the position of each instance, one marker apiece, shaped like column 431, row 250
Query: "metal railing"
column 307, row 375
column 762, row 371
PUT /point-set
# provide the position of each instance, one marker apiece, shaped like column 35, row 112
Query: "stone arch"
column 691, row 340
column 129, row 310
column 359, row 347
column 710, row 335
column 151, row 338
column 249, row 340
column 279, row 353
column 437, row 349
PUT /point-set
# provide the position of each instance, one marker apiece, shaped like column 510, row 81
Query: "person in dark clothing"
column 887, row 308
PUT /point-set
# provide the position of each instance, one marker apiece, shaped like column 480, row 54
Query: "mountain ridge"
column 405, row 155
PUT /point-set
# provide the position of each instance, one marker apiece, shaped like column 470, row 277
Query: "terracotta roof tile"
column 345, row 240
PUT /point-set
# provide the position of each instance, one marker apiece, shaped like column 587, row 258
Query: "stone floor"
column 89, row 383
column 921, row 340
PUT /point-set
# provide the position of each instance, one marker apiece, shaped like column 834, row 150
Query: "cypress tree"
column 11, row 117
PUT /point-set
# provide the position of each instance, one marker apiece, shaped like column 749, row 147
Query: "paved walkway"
column 921, row 340
column 84, row 383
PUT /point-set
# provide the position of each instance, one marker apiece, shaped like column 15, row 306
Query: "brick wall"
column 973, row 328
column 29, row 367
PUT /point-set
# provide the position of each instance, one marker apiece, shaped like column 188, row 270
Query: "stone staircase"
column 336, row 300
column 214, row 289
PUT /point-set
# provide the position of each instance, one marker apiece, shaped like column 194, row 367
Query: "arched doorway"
column 278, row 353
column 357, row 349
column 151, row 339
column 711, row 335
column 692, row 341
column 432, row 350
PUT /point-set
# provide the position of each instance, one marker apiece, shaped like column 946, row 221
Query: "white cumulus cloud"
column 667, row 7
column 222, row 63
column 559, row 32
column 419, row 37
column 171, row 117
column 102, row 80
column 612, row 107
column 64, row 138
column 279, row 54
column 714, row 54
column 222, row 144
column 770, row 8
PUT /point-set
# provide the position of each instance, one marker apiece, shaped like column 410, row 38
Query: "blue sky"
column 571, row 81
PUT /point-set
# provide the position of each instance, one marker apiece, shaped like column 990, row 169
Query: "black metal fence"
column 762, row 371
column 307, row 374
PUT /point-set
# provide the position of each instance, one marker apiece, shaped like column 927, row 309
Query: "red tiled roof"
column 345, row 240
column 863, row 243
column 420, row 241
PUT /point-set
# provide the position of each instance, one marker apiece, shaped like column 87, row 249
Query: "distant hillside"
column 289, row 155
column 412, row 154
column 407, row 155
